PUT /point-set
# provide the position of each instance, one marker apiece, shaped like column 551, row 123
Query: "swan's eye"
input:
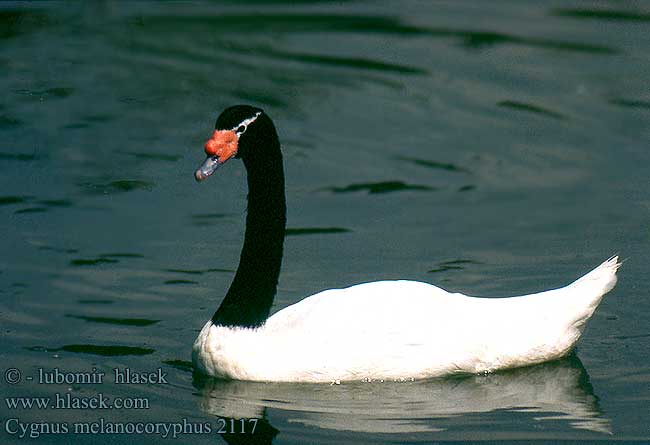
column 241, row 129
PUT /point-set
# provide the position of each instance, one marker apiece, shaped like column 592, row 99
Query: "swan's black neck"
column 250, row 297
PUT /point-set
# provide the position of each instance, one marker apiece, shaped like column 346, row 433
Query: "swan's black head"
column 239, row 129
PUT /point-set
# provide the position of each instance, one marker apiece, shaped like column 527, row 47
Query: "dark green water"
column 492, row 149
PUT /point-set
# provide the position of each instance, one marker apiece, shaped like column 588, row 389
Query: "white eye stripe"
column 245, row 123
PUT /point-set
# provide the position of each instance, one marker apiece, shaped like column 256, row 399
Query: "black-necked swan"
column 381, row 330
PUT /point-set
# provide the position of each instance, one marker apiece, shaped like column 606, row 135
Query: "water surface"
column 493, row 150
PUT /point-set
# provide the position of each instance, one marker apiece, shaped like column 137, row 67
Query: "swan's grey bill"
column 210, row 165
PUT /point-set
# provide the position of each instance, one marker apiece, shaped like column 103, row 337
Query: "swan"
column 382, row 330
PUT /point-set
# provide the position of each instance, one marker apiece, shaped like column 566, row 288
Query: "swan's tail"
column 589, row 290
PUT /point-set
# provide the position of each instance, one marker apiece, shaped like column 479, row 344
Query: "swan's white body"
column 403, row 330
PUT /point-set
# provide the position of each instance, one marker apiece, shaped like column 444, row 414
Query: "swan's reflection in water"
column 555, row 391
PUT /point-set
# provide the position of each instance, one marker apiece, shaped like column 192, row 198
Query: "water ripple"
column 628, row 103
column 105, row 258
column 120, row 186
column 314, row 230
column 452, row 265
column 531, row 108
column 116, row 321
column 177, row 281
column 371, row 24
column 380, row 187
column 152, row 156
column 110, row 351
column 433, row 164
column 31, row 210
column 9, row 121
column 602, row 14
column 338, row 61
column 54, row 93
column 91, row 262
column 9, row 200
column 14, row 22
column 182, row 365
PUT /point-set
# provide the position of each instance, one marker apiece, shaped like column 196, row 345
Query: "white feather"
column 403, row 330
